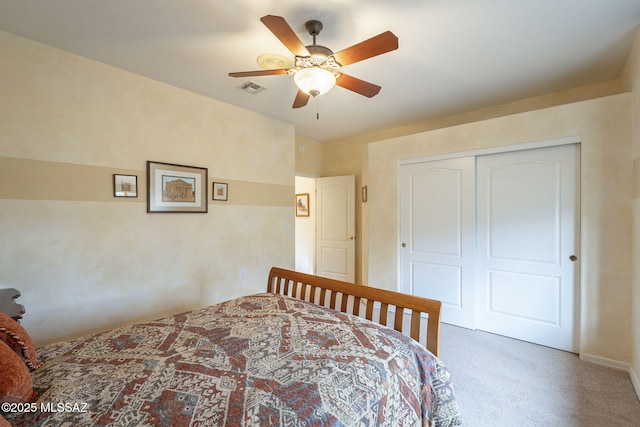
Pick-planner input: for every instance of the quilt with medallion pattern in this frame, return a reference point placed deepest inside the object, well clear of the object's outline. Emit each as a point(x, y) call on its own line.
point(260, 360)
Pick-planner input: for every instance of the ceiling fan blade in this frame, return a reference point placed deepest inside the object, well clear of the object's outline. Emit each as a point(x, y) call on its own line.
point(358, 86)
point(259, 73)
point(301, 99)
point(377, 45)
point(285, 34)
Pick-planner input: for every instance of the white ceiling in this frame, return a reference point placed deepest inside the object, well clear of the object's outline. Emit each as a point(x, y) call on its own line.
point(453, 56)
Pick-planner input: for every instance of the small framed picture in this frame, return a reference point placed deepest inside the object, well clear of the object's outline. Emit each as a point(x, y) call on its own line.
point(125, 185)
point(176, 188)
point(219, 191)
point(302, 204)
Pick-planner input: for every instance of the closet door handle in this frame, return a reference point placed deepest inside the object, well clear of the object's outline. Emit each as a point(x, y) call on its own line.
point(573, 258)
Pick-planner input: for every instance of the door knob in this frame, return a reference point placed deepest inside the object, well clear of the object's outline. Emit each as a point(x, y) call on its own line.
point(573, 258)
point(404, 245)
point(350, 238)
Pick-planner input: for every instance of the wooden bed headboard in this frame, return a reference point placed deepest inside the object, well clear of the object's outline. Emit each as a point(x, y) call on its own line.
point(318, 290)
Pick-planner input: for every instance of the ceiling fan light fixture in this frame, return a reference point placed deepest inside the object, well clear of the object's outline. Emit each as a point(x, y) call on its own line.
point(315, 81)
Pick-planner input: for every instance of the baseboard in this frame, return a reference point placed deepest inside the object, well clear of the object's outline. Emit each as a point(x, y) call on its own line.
point(635, 381)
point(603, 361)
point(622, 366)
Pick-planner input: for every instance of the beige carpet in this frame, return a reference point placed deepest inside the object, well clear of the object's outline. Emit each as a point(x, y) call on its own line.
point(502, 382)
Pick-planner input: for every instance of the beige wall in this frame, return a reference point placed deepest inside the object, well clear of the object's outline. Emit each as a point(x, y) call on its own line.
point(86, 261)
point(632, 79)
point(309, 157)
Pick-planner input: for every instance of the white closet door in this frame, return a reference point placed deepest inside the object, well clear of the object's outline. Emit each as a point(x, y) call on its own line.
point(527, 243)
point(437, 214)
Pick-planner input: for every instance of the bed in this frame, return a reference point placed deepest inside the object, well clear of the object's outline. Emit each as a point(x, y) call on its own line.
point(308, 352)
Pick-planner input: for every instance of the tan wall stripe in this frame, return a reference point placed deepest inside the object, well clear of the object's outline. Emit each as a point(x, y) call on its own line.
point(43, 180)
point(255, 193)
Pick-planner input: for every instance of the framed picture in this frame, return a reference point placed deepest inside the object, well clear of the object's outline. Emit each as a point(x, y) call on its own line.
point(125, 185)
point(302, 204)
point(219, 191)
point(176, 188)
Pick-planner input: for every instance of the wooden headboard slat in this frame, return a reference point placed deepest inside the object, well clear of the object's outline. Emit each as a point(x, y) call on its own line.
point(415, 323)
point(384, 312)
point(398, 319)
point(369, 312)
point(356, 305)
point(414, 305)
point(344, 305)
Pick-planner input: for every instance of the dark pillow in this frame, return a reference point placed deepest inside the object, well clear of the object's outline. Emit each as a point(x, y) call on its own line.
point(17, 338)
point(15, 381)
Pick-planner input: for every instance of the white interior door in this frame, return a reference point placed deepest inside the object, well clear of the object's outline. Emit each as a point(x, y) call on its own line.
point(527, 219)
point(437, 210)
point(335, 227)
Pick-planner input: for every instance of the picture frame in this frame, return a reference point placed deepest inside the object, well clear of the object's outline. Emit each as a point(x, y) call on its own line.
point(219, 191)
point(125, 185)
point(176, 188)
point(302, 204)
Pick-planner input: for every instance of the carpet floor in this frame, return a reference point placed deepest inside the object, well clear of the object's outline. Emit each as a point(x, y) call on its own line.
point(502, 382)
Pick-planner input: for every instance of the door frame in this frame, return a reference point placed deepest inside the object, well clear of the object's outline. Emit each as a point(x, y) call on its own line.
point(495, 150)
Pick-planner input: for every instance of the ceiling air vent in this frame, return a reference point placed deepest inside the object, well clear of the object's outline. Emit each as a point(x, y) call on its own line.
point(252, 87)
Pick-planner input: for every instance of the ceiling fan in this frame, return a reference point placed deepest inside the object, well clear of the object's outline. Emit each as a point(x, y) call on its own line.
point(316, 68)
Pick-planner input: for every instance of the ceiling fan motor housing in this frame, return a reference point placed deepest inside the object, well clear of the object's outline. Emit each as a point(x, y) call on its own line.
point(319, 54)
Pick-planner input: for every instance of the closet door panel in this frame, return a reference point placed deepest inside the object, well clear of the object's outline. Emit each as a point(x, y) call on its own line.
point(527, 219)
point(438, 234)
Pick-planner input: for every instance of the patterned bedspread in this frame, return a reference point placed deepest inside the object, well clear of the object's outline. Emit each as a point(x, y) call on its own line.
point(261, 360)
